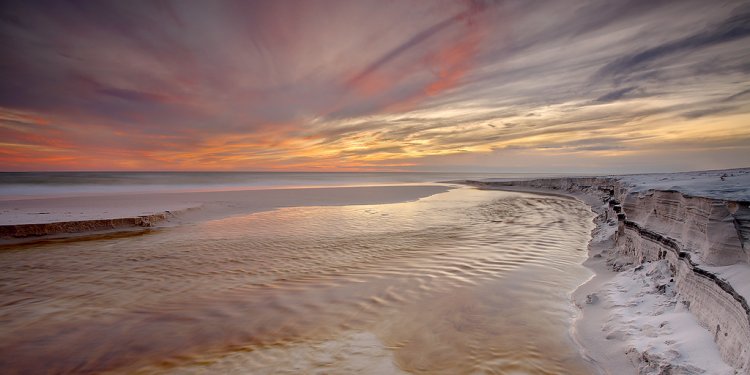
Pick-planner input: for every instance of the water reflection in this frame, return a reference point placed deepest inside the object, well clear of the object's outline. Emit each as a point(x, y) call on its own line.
point(465, 281)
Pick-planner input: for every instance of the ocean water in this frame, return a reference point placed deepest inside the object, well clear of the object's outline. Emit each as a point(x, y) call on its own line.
point(15, 185)
point(461, 282)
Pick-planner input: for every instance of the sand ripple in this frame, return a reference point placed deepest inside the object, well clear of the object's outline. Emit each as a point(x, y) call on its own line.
point(465, 281)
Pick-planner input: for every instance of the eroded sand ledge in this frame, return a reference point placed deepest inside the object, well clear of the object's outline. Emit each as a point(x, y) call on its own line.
point(19, 231)
point(702, 243)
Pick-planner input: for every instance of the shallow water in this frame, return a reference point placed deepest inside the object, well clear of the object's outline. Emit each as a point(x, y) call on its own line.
point(465, 281)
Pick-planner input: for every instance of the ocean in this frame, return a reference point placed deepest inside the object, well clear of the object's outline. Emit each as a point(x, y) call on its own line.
point(16, 185)
point(464, 281)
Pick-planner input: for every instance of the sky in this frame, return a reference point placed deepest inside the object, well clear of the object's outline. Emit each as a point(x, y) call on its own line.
point(502, 86)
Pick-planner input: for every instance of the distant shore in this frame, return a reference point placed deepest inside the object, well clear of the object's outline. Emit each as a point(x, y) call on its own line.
point(29, 219)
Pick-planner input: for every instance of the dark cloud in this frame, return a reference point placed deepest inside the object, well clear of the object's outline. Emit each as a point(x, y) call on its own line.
point(131, 95)
point(411, 43)
point(733, 28)
point(614, 95)
point(739, 95)
point(707, 112)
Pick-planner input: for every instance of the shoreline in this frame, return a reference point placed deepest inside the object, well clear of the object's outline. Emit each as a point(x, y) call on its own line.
point(643, 310)
point(587, 320)
point(27, 220)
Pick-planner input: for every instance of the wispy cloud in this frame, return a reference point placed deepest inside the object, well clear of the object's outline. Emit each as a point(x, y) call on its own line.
point(370, 85)
point(615, 95)
point(735, 27)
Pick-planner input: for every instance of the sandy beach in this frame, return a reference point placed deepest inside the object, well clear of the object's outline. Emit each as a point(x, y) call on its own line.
point(630, 318)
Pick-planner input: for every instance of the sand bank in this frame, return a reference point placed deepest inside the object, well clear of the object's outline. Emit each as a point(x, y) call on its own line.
point(669, 291)
point(25, 218)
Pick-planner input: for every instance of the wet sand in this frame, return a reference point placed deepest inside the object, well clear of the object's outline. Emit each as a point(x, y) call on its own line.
point(463, 281)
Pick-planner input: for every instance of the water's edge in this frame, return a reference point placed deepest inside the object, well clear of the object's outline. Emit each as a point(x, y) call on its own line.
point(591, 282)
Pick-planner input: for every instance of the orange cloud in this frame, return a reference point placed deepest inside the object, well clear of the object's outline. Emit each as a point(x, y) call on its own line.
point(453, 62)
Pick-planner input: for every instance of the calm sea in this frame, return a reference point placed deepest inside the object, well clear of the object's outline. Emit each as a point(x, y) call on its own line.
point(42, 184)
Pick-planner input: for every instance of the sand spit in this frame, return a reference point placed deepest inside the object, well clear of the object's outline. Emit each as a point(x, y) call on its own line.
point(672, 279)
point(32, 219)
point(83, 226)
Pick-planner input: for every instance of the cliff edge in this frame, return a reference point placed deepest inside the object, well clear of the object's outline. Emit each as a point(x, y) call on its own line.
point(679, 244)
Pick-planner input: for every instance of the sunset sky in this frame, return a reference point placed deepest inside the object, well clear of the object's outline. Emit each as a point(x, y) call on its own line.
point(536, 86)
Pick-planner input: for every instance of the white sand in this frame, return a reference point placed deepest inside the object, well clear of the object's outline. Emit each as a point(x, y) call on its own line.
point(587, 329)
point(625, 318)
point(730, 184)
point(655, 326)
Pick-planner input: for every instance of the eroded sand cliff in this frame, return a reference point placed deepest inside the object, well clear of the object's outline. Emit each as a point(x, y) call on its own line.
point(702, 240)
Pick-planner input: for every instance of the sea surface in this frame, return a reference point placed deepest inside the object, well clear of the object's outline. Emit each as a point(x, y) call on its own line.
point(16, 185)
point(462, 282)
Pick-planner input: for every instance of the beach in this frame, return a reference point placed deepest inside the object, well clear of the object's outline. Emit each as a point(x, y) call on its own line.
point(387, 279)
point(422, 278)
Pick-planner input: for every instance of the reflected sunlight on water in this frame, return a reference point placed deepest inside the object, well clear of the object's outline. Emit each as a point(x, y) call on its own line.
point(465, 281)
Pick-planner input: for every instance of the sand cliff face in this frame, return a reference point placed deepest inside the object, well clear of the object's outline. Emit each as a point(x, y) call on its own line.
point(699, 237)
point(36, 230)
point(705, 227)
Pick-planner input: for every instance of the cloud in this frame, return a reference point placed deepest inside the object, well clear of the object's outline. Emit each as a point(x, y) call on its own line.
point(411, 43)
point(132, 95)
point(340, 84)
point(707, 112)
point(733, 28)
point(739, 95)
point(614, 95)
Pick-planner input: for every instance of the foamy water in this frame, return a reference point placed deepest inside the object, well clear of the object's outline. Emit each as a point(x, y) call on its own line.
point(465, 281)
